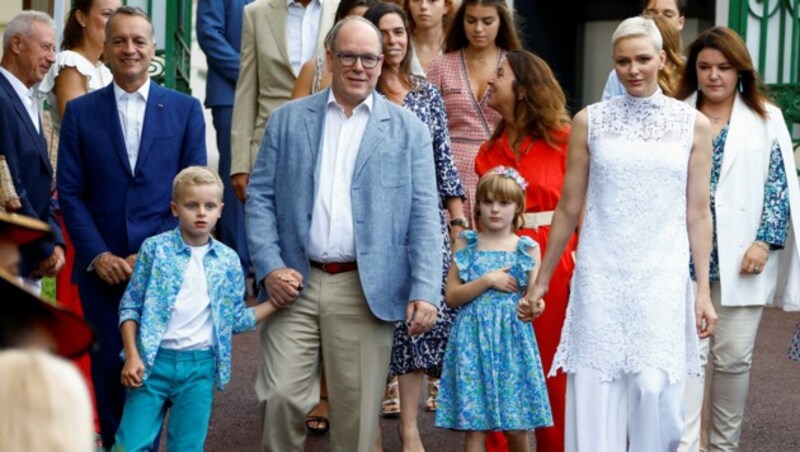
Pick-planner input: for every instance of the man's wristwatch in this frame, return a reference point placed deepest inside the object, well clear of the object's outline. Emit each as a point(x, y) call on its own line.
point(460, 222)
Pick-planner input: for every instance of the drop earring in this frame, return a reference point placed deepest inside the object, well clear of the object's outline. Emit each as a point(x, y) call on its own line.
point(741, 87)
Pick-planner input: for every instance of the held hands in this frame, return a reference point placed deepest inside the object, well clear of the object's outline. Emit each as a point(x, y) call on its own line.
point(283, 286)
point(705, 315)
point(755, 258)
point(133, 371)
point(112, 269)
point(528, 310)
point(500, 280)
point(420, 317)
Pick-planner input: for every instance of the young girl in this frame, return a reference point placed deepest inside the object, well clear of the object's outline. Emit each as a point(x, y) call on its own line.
point(492, 378)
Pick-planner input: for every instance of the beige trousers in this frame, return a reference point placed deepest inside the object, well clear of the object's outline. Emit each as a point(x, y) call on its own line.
point(727, 380)
point(331, 314)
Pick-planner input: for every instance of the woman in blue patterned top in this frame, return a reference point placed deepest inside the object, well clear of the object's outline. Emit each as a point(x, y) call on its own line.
point(414, 356)
point(754, 204)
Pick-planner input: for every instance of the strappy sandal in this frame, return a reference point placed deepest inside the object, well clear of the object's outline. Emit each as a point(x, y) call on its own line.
point(433, 393)
point(390, 407)
point(318, 425)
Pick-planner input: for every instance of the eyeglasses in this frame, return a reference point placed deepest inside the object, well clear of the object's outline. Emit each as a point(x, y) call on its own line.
point(348, 59)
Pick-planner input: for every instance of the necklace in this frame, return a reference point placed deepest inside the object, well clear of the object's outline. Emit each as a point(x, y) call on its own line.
point(717, 119)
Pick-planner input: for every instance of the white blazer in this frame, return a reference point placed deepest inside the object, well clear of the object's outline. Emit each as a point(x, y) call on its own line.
point(739, 202)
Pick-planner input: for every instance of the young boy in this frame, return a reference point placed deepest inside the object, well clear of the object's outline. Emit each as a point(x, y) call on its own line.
point(184, 301)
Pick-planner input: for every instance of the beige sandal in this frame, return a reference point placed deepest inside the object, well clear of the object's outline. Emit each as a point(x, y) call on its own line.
point(390, 407)
point(433, 393)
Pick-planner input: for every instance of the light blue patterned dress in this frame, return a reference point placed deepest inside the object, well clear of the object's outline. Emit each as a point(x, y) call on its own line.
point(492, 377)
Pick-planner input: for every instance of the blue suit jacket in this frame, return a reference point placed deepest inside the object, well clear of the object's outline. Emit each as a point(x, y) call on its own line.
point(393, 194)
point(106, 206)
point(219, 33)
point(25, 151)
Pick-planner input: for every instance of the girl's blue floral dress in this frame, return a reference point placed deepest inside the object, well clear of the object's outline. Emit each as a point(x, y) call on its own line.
point(492, 377)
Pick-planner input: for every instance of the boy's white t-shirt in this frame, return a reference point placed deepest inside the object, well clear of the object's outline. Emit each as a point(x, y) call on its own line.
point(190, 325)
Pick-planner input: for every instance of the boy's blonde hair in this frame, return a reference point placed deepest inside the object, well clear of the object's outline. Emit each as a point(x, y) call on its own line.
point(195, 175)
point(45, 402)
point(500, 188)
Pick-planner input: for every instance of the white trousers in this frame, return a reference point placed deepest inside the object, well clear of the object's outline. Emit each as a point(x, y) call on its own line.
point(727, 380)
point(637, 412)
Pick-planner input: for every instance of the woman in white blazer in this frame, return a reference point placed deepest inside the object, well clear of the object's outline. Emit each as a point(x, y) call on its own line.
point(755, 204)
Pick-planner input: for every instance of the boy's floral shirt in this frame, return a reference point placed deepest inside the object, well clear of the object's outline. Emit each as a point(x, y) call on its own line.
point(154, 286)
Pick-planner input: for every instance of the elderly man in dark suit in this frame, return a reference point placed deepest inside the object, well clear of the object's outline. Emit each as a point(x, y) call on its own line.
point(120, 148)
point(28, 53)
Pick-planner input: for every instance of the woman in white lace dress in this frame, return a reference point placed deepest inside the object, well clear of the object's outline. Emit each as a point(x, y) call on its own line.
point(641, 163)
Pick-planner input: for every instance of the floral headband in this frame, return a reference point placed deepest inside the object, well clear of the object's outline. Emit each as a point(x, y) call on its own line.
point(512, 173)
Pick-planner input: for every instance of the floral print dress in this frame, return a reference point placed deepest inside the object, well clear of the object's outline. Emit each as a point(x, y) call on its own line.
point(425, 352)
point(492, 377)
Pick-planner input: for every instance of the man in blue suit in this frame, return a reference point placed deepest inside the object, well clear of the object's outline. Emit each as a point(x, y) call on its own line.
point(343, 231)
point(28, 52)
point(219, 33)
point(120, 148)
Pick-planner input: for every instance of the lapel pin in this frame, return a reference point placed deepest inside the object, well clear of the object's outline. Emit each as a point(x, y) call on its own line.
point(160, 105)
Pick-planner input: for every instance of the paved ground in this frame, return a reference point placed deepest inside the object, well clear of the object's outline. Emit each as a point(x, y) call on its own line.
point(771, 420)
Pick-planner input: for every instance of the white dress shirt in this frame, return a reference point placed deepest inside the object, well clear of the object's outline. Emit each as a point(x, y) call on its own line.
point(27, 96)
point(131, 107)
point(190, 325)
point(331, 237)
point(302, 30)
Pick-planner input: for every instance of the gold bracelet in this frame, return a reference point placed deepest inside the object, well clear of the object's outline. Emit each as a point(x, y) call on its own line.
point(761, 245)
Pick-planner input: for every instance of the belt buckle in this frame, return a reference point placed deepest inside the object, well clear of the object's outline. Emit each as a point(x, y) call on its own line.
point(325, 267)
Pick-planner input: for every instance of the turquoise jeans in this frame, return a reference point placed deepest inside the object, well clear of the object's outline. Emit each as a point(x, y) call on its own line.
point(181, 381)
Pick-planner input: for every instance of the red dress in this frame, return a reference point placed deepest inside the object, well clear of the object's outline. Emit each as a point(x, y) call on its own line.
point(543, 167)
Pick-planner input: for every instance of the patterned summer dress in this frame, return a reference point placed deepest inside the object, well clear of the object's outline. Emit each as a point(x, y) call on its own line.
point(425, 352)
point(470, 119)
point(492, 377)
point(631, 305)
point(794, 350)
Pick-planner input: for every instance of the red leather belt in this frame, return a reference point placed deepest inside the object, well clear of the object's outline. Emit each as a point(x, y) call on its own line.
point(335, 267)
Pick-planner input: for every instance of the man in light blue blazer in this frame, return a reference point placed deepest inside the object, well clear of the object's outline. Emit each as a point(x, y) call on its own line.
point(120, 147)
point(343, 232)
point(219, 33)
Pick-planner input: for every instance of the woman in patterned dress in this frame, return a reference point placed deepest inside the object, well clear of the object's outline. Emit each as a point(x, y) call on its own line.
point(412, 357)
point(638, 170)
point(532, 139)
point(481, 32)
point(755, 204)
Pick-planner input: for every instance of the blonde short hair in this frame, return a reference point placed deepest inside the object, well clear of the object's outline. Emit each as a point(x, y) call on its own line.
point(45, 402)
point(638, 26)
point(195, 175)
point(500, 187)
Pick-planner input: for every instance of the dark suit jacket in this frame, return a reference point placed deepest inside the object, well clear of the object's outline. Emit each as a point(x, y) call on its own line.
point(26, 154)
point(219, 33)
point(106, 206)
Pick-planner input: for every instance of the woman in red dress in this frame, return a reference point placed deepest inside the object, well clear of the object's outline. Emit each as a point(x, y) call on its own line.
point(532, 138)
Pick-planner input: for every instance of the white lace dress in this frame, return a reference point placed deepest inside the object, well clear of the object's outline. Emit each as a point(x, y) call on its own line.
point(631, 305)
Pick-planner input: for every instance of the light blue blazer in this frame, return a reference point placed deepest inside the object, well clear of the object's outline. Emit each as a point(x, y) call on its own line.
point(393, 195)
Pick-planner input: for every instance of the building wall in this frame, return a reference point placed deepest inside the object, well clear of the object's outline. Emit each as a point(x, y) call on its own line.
point(10, 9)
